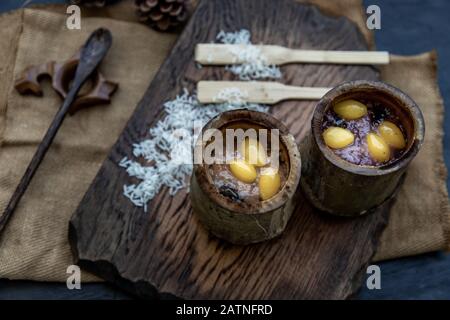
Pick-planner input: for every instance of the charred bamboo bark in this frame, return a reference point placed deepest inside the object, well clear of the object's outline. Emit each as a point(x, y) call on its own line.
point(237, 227)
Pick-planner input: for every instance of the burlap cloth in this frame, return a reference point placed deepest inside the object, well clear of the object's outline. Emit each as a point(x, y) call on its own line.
point(34, 245)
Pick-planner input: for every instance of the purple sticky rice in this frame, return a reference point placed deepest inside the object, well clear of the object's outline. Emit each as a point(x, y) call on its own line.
point(358, 153)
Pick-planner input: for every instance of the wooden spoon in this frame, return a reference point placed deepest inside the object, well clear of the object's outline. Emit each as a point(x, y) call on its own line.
point(92, 53)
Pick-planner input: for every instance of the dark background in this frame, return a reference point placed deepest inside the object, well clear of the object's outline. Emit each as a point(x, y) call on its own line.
point(407, 27)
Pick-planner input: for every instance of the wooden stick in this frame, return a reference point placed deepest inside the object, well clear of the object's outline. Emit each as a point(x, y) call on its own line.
point(254, 92)
point(223, 54)
point(92, 53)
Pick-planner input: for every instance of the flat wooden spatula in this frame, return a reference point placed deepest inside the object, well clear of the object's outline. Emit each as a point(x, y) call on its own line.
point(222, 54)
point(254, 92)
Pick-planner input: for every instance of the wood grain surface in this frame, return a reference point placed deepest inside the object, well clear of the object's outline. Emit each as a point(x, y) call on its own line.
point(166, 252)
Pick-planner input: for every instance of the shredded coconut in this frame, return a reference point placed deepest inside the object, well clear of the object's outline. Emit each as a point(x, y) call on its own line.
point(232, 94)
point(254, 64)
point(168, 152)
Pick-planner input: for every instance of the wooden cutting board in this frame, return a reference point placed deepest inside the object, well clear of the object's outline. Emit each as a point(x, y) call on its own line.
point(165, 251)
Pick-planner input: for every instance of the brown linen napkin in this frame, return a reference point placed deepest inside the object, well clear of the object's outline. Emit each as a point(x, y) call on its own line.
point(34, 245)
point(419, 220)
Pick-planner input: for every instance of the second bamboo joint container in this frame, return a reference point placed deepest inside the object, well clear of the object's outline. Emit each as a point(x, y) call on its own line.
point(339, 187)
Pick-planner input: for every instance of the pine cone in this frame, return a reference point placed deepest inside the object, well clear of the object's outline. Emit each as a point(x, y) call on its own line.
point(163, 15)
point(93, 3)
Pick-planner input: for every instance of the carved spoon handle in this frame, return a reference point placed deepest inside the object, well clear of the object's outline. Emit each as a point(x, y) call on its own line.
point(94, 50)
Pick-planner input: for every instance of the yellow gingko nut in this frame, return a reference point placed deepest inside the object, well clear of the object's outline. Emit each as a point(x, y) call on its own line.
point(378, 148)
point(350, 109)
point(338, 138)
point(243, 171)
point(392, 135)
point(254, 153)
point(269, 183)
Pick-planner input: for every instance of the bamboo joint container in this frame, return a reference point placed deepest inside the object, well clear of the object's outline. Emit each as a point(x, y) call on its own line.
point(238, 222)
point(339, 187)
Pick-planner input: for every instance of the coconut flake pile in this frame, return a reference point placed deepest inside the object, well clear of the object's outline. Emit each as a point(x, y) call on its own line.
point(232, 94)
point(255, 64)
point(168, 153)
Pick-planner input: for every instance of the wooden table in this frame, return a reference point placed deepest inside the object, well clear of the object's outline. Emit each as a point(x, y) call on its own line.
point(422, 277)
